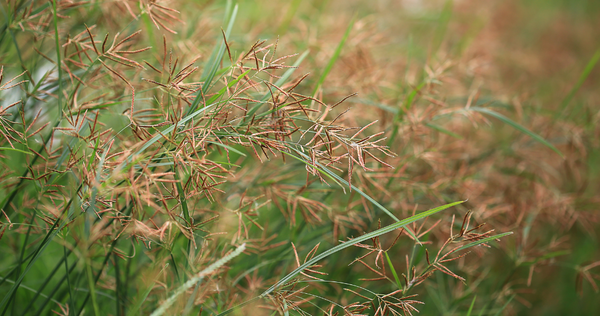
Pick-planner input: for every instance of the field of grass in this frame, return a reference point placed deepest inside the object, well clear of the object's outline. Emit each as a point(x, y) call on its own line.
point(318, 157)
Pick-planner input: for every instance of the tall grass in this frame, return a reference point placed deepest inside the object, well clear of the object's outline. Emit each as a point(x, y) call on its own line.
point(162, 158)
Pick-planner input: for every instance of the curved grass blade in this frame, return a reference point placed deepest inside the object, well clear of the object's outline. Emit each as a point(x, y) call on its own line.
point(354, 241)
point(37, 293)
point(517, 126)
point(331, 175)
point(339, 180)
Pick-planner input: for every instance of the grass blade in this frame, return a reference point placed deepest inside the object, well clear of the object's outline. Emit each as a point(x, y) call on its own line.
point(182, 199)
point(17, 150)
point(396, 278)
point(586, 72)
point(52, 232)
point(213, 62)
point(58, 61)
point(330, 174)
point(237, 306)
point(198, 278)
point(354, 241)
point(443, 130)
point(182, 123)
point(471, 307)
point(227, 147)
point(485, 240)
point(92, 285)
point(340, 181)
point(288, 73)
point(136, 308)
point(499, 312)
point(517, 126)
point(333, 58)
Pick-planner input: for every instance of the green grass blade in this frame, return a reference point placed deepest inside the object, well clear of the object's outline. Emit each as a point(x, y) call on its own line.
point(118, 285)
point(396, 278)
point(341, 182)
point(46, 281)
point(52, 232)
point(181, 123)
point(354, 241)
point(17, 150)
point(138, 305)
point(227, 147)
point(37, 293)
point(237, 306)
point(167, 130)
point(517, 126)
point(197, 278)
point(182, 199)
point(333, 58)
point(92, 286)
point(58, 61)
point(408, 102)
point(93, 281)
point(546, 257)
point(485, 240)
point(221, 92)
point(16, 43)
point(286, 311)
point(55, 290)
point(289, 15)
point(443, 130)
point(382, 106)
point(499, 312)
point(586, 72)
point(190, 303)
point(332, 175)
point(471, 307)
point(442, 27)
point(483, 310)
point(213, 63)
point(288, 73)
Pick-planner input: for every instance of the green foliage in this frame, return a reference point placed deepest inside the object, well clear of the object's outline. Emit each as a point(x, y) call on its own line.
point(181, 158)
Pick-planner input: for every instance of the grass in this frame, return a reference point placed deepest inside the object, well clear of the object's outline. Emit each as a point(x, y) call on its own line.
point(302, 158)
